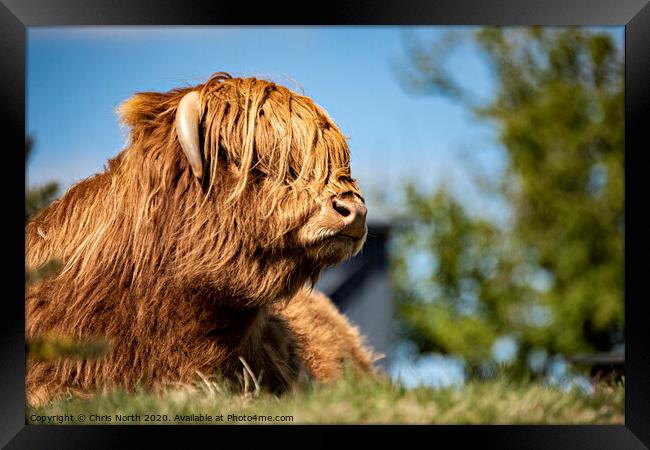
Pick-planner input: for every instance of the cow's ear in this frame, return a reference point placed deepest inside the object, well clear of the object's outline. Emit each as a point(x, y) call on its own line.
point(146, 109)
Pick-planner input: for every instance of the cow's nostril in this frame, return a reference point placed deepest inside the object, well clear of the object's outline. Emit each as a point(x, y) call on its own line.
point(341, 208)
point(352, 216)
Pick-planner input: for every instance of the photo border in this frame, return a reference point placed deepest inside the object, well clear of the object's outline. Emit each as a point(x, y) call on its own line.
point(17, 15)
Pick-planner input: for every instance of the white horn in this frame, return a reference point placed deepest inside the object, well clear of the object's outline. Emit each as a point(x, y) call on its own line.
point(187, 130)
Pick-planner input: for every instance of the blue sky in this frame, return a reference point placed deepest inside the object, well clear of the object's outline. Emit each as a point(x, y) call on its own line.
point(77, 76)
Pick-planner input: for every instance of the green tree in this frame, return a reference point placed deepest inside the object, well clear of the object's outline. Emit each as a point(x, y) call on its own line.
point(553, 277)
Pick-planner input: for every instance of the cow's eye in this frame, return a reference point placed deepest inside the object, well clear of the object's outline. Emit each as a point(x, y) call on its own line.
point(258, 173)
point(293, 175)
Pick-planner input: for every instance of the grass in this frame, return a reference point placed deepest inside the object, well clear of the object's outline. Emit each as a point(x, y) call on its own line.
point(352, 400)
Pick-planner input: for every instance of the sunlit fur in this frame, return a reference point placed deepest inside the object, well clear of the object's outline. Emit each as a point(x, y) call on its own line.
point(185, 275)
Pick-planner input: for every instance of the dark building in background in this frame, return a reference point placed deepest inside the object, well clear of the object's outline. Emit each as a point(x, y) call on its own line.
point(361, 289)
point(608, 367)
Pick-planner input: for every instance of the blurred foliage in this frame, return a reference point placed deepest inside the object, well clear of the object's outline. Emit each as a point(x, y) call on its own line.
point(48, 269)
point(38, 197)
point(52, 346)
point(552, 279)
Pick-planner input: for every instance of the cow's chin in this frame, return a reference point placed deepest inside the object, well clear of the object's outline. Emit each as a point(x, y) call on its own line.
point(335, 249)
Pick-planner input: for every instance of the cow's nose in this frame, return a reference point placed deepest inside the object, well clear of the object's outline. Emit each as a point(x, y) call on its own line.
point(353, 213)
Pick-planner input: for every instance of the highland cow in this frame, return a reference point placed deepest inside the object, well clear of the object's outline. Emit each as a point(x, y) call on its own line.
point(200, 244)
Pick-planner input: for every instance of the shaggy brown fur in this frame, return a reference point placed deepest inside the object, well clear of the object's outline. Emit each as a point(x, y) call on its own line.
point(184, 276)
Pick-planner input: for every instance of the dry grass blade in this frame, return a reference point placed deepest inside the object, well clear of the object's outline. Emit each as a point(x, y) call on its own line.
point(209, 386)
point(245, 381)
point(248, 371)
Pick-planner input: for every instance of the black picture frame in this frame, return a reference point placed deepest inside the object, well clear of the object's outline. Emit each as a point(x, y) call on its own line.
point(16, 15)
